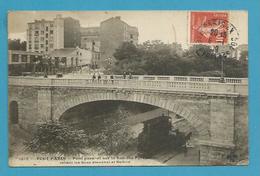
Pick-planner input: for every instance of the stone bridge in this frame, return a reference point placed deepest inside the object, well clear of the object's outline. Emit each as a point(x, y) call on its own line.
point(218, 111)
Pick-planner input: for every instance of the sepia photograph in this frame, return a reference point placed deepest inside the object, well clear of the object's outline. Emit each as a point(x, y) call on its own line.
point(128, 88)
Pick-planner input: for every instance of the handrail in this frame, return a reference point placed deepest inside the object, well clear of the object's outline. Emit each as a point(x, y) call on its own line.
point(217, 87)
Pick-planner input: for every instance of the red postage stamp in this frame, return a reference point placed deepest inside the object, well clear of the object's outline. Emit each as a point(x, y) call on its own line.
point(209, 27)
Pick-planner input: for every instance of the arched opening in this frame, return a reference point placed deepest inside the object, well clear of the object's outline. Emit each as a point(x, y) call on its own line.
point(92, 116)
point(96, 115)
point(13, 112)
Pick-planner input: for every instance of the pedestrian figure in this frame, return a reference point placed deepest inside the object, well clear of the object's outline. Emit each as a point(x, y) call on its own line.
point(93, 77)
point(99, 77)
point(130, 76)
point(112, 78)
point(124, 75)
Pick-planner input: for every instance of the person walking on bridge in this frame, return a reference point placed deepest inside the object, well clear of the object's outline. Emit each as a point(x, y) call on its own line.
point(99, 77)
point(93, 77)
point(130, 76)
point(112, 79)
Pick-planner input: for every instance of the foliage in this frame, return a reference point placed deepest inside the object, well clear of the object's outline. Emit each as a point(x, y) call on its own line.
point(157, 58)
point(57, 138)
point(16, 44)
point(115, 137)
point(244, 55)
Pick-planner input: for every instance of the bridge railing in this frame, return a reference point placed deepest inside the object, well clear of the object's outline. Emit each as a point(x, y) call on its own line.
point(182, 78)
point(240, 88)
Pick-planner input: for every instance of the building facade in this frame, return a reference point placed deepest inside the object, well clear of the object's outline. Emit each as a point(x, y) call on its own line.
point(73, 57)
point(43, 36)
point(90, 38)
point(108, 37)
point(20, 62)
point(113, 32)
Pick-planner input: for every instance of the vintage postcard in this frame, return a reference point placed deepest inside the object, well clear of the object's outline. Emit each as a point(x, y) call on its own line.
point(128, 88)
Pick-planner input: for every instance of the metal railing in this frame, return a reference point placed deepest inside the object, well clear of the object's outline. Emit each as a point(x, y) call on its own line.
point(174, 85)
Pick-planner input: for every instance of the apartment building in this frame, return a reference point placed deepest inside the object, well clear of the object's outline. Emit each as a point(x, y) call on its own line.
point(107, 37)
point(44, 36)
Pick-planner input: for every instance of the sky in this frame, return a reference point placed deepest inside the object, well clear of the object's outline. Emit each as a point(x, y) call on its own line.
point(152, 25)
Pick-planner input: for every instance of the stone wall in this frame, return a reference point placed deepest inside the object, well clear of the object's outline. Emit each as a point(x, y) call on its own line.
point(214, 155)
point(241, 128)
point(221, 120)
point(26, 98)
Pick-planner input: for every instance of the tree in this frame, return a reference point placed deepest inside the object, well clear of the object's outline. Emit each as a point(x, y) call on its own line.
point(157, 58)
point(16, 44)
point(244, 55)
point(53, 137)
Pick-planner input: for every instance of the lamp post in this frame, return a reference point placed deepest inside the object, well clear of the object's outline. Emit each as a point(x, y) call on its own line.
point(222, 55)
point(222, 80)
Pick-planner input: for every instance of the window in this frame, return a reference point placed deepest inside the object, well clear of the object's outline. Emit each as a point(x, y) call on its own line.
point(24, 58)
point(47, 35)
point(42, 45)
point(51, 38)
point(15, 58)
point(42, 32)
point(46, 49)
point(36, 33)
point(47, 28)
point(51, 31)
point(131, 36)
point(30, 46)
point(46, 42)
point(42, 39)
point(51, 25)
point(36, 46)
point(51, 45)
point(36, 39)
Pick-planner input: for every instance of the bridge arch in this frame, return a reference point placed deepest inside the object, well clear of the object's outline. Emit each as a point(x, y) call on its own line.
point(157, 101)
